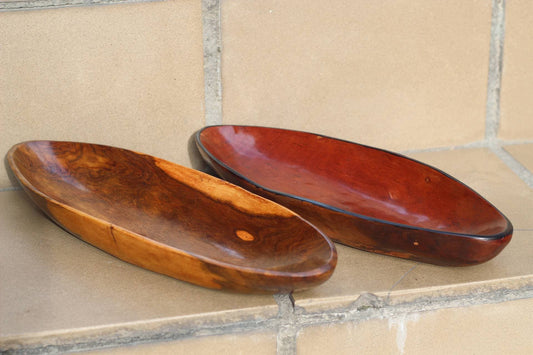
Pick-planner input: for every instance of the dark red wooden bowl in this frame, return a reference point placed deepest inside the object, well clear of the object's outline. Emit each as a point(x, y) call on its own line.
point(361, 196)
point(171, 219)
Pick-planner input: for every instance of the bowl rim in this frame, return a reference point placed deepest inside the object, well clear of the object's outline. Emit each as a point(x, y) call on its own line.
point(507, 231)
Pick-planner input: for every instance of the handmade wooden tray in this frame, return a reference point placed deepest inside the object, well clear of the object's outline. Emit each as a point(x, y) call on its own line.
point(361, 196)
point(171, 219)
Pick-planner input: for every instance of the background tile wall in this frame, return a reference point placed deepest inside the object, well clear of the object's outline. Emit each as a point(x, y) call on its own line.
point(128, 75)
point(401, 75)
point(396, 74)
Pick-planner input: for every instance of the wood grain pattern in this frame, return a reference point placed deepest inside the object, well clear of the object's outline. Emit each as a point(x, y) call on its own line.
point(171, 219)
point(360, 196)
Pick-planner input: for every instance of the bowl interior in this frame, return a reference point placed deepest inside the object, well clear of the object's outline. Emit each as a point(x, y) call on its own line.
point(351, 177)
point(170, 204)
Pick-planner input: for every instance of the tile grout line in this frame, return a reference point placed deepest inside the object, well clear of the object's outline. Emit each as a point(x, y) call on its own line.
point(11, 188)
point(497, 35)
point(515, 142)
point(287, 331)
point(54, 4)
point(523, 173)
point(212, 46)
point(132, 335)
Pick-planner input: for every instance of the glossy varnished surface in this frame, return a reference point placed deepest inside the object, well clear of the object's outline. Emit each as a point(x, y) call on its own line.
point(361, 196)
point(171, 219)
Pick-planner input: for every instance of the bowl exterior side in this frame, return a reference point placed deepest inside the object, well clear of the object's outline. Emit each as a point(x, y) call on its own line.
point(428, 246)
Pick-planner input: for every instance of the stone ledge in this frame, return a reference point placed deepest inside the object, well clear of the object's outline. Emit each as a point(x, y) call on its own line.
point(286, 321)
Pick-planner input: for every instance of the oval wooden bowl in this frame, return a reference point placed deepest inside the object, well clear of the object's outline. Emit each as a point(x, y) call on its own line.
point(171, 219)
point(360, 196)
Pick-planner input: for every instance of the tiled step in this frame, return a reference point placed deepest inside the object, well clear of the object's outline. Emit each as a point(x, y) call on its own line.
point(59, 293)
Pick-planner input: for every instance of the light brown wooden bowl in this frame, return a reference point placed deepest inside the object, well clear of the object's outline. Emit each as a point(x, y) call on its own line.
point(171, 219)
point(361, 196)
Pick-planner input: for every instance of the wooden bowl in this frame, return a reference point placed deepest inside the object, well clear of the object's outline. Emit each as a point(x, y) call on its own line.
point(361, 196)
point(171, 219)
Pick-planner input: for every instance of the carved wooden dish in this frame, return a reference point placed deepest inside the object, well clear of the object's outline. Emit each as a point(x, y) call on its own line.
point(171, 219)
point(361, 196)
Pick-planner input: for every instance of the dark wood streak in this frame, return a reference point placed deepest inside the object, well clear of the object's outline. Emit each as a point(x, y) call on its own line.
point(361, 196)
point(171, 219)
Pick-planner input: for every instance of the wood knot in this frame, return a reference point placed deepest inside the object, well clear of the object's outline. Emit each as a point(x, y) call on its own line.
point(244, 235)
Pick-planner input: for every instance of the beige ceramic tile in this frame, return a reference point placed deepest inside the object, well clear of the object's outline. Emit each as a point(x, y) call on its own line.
point(513, 261)
point(517, 75)
point(503, 328)
point(523, 153)
point(488, 175)
point(395, 74)
point(234, 344)
point(370, 337)
point(127, 75)
point(357, 272)
point(51, 281)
